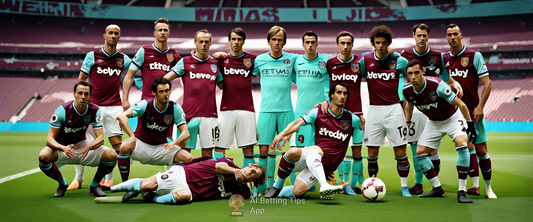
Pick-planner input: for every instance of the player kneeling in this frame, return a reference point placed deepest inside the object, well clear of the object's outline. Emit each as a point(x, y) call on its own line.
point(438, 102)
point(203, 179)
point(66, 142)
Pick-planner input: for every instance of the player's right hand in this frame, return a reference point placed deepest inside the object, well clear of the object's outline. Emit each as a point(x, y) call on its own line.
point(126, 105)
point(472, 131)
point(69, 151)
point(325, 106)
point(275, 143)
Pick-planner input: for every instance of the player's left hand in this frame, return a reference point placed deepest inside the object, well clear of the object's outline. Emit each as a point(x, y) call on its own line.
point(478, 114)
point(85, 153)
point(219, 55)
point(240, 175)
point(472, 131)
point(363, 121)
point(168, 146)
point(456, 87)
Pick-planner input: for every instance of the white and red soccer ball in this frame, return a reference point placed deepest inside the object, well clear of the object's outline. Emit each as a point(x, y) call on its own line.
point(373, 189)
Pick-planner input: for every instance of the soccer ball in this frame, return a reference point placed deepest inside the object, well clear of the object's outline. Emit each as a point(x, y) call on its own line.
point(373, 189)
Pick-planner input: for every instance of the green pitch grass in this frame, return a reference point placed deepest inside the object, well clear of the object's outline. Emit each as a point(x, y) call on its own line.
point(29, 198)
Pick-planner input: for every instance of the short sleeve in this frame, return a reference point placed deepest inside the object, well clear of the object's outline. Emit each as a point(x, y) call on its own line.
point(97, 120)
point(88, 62)
point(138, 60)
point(139, 108)
point(179, 115)
point(310, 117)
point(179, 68)
point(444, 75)
point(58, 118)
point(127, 63)
point(444, 91)
point(479, 63)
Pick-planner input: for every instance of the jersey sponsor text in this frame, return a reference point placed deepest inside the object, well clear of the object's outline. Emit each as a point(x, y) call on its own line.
point(337, 135)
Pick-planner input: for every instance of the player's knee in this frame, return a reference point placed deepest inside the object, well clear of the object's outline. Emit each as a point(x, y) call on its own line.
point(110, 155)
point(309, 148)
point(183, 156)
point(45, 155)
point(299, 191)
point(181, 196)
point(127, 146)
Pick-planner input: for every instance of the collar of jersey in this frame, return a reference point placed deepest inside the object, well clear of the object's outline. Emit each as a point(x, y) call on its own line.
point(153, 103)
point(349, 60)
point(461, 52)
point(107, 54)
point(336, 117)
point(239, 56)
point(153, 46)
point(377, 59)
point(81, 114)
point(425, 84)
point(201, 60)
point(282, 55)
point(305, 57)
point(426, 52)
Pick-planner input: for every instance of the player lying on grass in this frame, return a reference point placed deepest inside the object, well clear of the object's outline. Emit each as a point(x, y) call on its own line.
point(333, 131)
point(435, 99)
point(66, 142)
point(203, 179)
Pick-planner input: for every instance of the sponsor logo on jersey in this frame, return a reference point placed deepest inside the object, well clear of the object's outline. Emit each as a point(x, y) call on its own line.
point(120, 62)
point(170, 57)
point(287, 62)
point(156, 127)
point(214, 68)
point(192, 66)
point(344, 77)
point(74, 130)
point(433, 96)
point(381, 75)
point(159, 66)
point(202, 76)
point(321, 64)
point(432, 60)
point(87, 119)
point(232, 71)
point(108, 71)
point(464, 61)
point(337, 135)
point(99, 61)
point(247, 62)
point(69, 122)
point(345, 124)
point(459, 73)
point(168, 119)
point(391, 64)
point(355, 67)
point(427, 106)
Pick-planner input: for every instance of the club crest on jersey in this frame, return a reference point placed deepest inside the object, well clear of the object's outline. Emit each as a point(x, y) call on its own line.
point(355, 67)
point(247, 62)
point(321, 64)
point(87, 119)
point(432, 60)
point(345, 124)
point(287, 62)
point(170, 57)
point(391, 64)
point(214, 68)
point(433, 96)
point(464, 61)
point(120, 62)
point(168, 119)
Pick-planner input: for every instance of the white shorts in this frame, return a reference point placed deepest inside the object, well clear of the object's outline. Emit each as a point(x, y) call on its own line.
point(153, 154)
point(418, 123)
point(239, 124)
point(207, 130)
point(92, 159)
point(111, 125)
point(384, 121)
point(305, 174)
point(173, 178)
point(454, 126)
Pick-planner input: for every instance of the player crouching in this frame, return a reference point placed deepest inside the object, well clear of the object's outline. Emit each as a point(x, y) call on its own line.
point(66, 142)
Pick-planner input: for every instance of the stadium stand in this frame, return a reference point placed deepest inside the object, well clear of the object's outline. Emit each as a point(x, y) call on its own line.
point(15, 93)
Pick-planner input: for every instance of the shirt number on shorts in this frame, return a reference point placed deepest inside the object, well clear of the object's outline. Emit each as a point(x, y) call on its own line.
point(402, 131)
point(412, 130)
point(462, 124)
point(215, 133)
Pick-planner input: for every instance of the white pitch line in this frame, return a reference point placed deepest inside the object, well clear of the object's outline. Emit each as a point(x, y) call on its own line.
point(18, 175)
